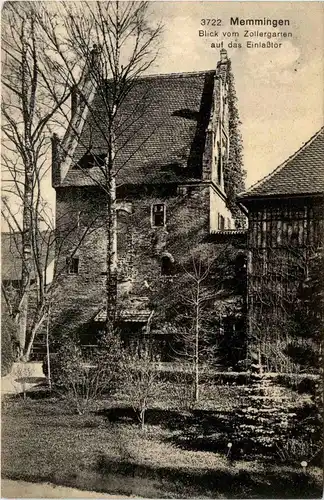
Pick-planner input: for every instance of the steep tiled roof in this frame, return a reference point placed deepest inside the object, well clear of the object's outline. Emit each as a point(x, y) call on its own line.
point(161, 131)
point(302, 173)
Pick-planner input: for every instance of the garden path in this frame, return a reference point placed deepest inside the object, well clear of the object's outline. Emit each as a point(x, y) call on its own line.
point(24, 489)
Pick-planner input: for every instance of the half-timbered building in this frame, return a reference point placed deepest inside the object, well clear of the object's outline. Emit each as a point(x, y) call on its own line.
point(286, 217)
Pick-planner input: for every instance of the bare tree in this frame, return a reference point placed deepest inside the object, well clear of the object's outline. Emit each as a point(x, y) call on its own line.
point(116, 44)
point(40, 71)
point(197, 341)
point(27, 114)
point(190, 309)
point(46, 269)
point(139, 378)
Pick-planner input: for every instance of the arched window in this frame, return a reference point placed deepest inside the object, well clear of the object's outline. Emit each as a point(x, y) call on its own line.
point(240, 263)
point(167, 264)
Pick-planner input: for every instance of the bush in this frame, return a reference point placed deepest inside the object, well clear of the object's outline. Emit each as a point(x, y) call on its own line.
point(54, 365)
point(294, 451)
point(79, 381)
point(303, 383)
point(9, 343)
point(140, 378)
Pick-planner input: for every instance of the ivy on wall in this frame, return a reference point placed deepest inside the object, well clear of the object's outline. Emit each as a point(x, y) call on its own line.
point(234, 174)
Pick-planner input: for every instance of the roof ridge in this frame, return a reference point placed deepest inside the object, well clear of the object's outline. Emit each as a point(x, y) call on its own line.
point(182, 74)
point(282, 165)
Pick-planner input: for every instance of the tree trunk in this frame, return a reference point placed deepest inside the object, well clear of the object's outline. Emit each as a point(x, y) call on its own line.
point(196, 380)
point(197, 350)
point(49, 378)
point(22, 322)
point(111, 228)
point(27, 200)
point(142, 415)
point(33, 332)
point(26, 256)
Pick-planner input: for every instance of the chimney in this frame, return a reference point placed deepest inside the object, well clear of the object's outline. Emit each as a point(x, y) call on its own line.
point(223, 56)
point(91, 67)
point(74, 100)
point(94, 61)
point(56, 160)
point(222, 65)
point(95, 53)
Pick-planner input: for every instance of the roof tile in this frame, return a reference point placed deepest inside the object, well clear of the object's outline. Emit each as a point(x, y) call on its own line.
point(302, 173)
point(161, 131)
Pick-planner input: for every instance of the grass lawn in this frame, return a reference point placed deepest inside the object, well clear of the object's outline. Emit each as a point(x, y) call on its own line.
point(42, 440)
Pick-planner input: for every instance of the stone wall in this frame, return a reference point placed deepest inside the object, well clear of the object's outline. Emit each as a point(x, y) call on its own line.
point(141, 246)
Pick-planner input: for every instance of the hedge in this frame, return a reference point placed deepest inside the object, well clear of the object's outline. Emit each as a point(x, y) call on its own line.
point(8, 343)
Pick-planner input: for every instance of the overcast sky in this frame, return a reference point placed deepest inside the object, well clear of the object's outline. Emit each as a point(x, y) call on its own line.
point(280, 91)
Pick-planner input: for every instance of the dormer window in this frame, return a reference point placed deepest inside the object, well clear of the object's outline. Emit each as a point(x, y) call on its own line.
point(158, 215)
point(182, 190)
point(90, 160)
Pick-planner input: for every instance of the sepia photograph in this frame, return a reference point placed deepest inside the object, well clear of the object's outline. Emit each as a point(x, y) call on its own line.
point(162, 226)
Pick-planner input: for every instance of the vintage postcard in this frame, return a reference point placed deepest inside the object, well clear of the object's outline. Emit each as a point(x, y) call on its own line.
point(162, 249)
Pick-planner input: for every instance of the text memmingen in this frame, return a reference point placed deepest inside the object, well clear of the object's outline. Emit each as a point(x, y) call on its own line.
point(236, 21)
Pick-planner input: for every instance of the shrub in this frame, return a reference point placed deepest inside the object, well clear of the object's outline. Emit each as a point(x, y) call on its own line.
point(9, 343)
point(302, 383)
point(79, 381)
point(139, 378)
point(294, 451)
point(55, 367)
point(182, 388)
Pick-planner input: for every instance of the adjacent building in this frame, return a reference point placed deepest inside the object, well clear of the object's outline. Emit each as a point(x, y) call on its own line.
point(286, 220)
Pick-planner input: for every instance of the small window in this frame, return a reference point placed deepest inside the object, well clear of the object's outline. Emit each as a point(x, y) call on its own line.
point(221, 222)
point(182, 190)
point(229, 225)
point(158, 215)
point(72, 265)
point(167, 265)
